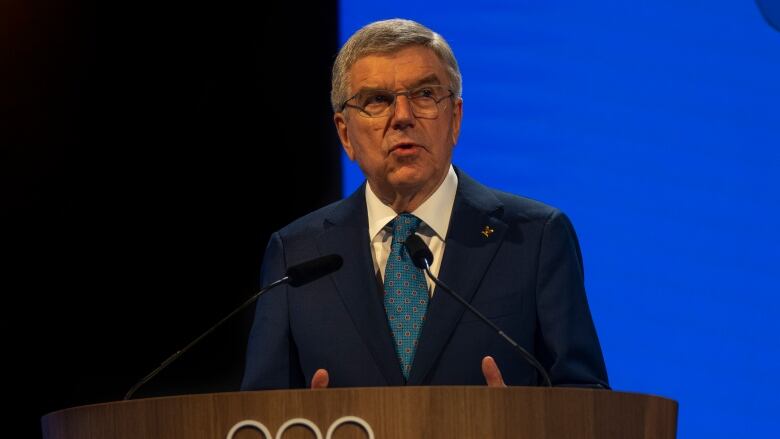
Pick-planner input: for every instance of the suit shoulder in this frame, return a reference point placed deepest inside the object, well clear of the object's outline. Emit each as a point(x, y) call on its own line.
point(512, 206)
point(524, 207)
point(311, 223)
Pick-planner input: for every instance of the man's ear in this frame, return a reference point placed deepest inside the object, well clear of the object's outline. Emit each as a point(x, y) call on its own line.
point(457, 116)
point(341, 128)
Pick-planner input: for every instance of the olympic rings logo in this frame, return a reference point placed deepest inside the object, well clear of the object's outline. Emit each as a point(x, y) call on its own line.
point(252, 424)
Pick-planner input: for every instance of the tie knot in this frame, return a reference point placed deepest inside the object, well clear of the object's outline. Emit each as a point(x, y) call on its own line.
point(404, 225)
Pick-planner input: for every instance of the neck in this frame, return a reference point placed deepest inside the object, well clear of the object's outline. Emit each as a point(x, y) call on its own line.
point(405, 199)
point(401, 203)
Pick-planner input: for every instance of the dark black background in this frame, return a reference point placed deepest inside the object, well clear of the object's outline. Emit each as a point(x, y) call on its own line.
point(147, 151)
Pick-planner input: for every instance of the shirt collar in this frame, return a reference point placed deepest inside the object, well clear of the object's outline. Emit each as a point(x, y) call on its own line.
point(435, 212)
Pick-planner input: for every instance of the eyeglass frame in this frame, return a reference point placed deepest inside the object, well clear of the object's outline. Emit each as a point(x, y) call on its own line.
point(395, 95)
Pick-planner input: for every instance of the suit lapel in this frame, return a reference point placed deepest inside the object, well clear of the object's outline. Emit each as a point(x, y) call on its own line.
point(346, 233)
point(467, 256)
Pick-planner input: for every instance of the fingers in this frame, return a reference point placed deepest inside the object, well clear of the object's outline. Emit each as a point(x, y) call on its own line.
point(492, 374)
point(320, 379)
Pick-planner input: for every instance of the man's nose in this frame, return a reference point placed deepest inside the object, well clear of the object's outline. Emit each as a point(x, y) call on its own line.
point(403, 116)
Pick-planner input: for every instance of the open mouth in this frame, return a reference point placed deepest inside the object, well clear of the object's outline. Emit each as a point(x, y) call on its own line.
point(404, 148)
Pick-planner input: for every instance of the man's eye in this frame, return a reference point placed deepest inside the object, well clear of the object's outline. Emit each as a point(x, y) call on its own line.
point(424, 93)
point(377, 99)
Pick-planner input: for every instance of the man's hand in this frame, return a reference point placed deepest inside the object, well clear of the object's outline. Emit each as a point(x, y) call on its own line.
point(489, 370)
point(320, 379)
point(492, 374)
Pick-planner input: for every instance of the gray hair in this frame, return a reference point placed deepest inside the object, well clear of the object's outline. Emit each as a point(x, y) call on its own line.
point(384, 37)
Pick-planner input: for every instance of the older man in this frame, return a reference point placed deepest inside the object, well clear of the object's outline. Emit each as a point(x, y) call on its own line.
point(378, 321)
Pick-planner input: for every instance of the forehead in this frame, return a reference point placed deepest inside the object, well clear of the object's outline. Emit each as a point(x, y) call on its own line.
point(402, 69)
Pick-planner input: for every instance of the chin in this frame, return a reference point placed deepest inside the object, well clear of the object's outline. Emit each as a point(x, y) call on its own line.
point(409, 176)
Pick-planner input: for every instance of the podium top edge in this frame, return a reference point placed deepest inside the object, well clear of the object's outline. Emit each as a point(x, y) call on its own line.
point(394, 389)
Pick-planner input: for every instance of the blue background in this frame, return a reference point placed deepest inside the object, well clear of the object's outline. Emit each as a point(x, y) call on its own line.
point(655, 126)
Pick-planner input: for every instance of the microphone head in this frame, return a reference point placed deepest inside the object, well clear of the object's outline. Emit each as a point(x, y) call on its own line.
point(314, 269)
point(419, 252)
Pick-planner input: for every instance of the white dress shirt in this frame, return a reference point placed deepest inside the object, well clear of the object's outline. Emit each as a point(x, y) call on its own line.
point(434, 213)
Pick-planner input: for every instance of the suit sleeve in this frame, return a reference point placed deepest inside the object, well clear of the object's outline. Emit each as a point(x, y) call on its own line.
point(568, 346)
point(272, 358)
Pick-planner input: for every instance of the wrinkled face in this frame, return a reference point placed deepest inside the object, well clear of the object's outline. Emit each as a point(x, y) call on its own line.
point(400, 153)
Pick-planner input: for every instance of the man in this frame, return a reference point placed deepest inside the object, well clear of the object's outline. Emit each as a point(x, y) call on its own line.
point(378, 321)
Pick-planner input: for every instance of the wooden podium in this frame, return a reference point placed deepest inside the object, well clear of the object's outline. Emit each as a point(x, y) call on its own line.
point(388, 412)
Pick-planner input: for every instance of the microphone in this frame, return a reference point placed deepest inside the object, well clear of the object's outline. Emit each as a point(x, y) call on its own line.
point(296, 276)
point(423, 258)
point(308, 271)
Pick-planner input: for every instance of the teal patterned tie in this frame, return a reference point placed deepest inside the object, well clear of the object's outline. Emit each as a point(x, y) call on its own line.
point(406, 293)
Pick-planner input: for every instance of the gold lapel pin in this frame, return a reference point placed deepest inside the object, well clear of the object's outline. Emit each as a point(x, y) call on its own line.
point(487, 231)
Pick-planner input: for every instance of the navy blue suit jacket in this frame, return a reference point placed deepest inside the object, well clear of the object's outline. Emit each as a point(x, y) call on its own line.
point(526, 276)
